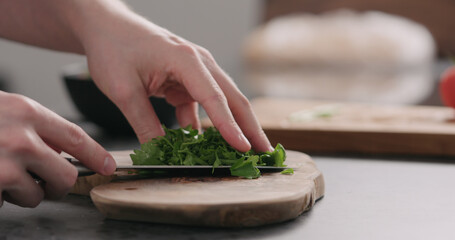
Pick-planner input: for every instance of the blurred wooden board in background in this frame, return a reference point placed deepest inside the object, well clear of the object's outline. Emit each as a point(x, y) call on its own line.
point(336, 127)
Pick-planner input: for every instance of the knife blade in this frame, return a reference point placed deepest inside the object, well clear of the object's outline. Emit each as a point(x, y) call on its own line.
point(84, 171)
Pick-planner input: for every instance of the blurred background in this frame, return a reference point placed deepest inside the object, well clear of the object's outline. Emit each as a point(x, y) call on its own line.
point(380, 51)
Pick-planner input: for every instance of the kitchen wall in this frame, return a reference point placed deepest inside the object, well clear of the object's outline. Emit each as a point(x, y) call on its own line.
point(218, 25)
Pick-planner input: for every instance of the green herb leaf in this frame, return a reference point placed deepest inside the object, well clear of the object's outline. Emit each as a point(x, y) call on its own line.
point(279, 155)
point(247, 168)
point(184, 146)
point(288, 171)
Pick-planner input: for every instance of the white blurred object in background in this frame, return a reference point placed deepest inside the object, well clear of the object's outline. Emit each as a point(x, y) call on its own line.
point(342, 55)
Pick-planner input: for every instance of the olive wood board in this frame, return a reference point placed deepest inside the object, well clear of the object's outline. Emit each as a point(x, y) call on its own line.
point(215, 201)
point(356, 128)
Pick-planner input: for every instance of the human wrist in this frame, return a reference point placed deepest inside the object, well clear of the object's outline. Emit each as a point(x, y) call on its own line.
point(91, 19)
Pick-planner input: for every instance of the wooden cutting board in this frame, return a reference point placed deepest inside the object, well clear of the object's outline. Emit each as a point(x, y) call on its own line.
point(336, 127)
point(218, 201)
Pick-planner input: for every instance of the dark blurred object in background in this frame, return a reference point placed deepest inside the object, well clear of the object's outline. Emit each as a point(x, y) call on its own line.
point(3, 83)
point(437, 15)
point(96, 107)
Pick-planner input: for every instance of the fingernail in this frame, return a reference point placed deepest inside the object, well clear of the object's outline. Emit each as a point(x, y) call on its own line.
point(244, 140)
point(109, 165)
point(271, 149)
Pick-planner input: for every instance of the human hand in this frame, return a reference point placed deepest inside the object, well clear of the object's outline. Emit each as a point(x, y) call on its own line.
point(131, 59)
point(31, 138)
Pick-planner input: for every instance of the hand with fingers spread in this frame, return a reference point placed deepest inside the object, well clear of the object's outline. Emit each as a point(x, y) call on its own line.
point(31, 138)
point(151, 61)
point(130, 59)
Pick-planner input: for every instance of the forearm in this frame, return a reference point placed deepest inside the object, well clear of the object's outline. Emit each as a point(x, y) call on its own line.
point(35, 23)
point(55, 24)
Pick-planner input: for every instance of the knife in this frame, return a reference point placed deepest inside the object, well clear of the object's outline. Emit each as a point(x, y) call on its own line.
point(84, 171)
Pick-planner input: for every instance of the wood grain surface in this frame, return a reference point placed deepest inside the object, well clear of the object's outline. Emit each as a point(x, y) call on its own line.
point(218, 201)
point(357, 128)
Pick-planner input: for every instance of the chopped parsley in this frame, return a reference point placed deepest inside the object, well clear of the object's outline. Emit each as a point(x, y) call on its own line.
point(184, 146)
